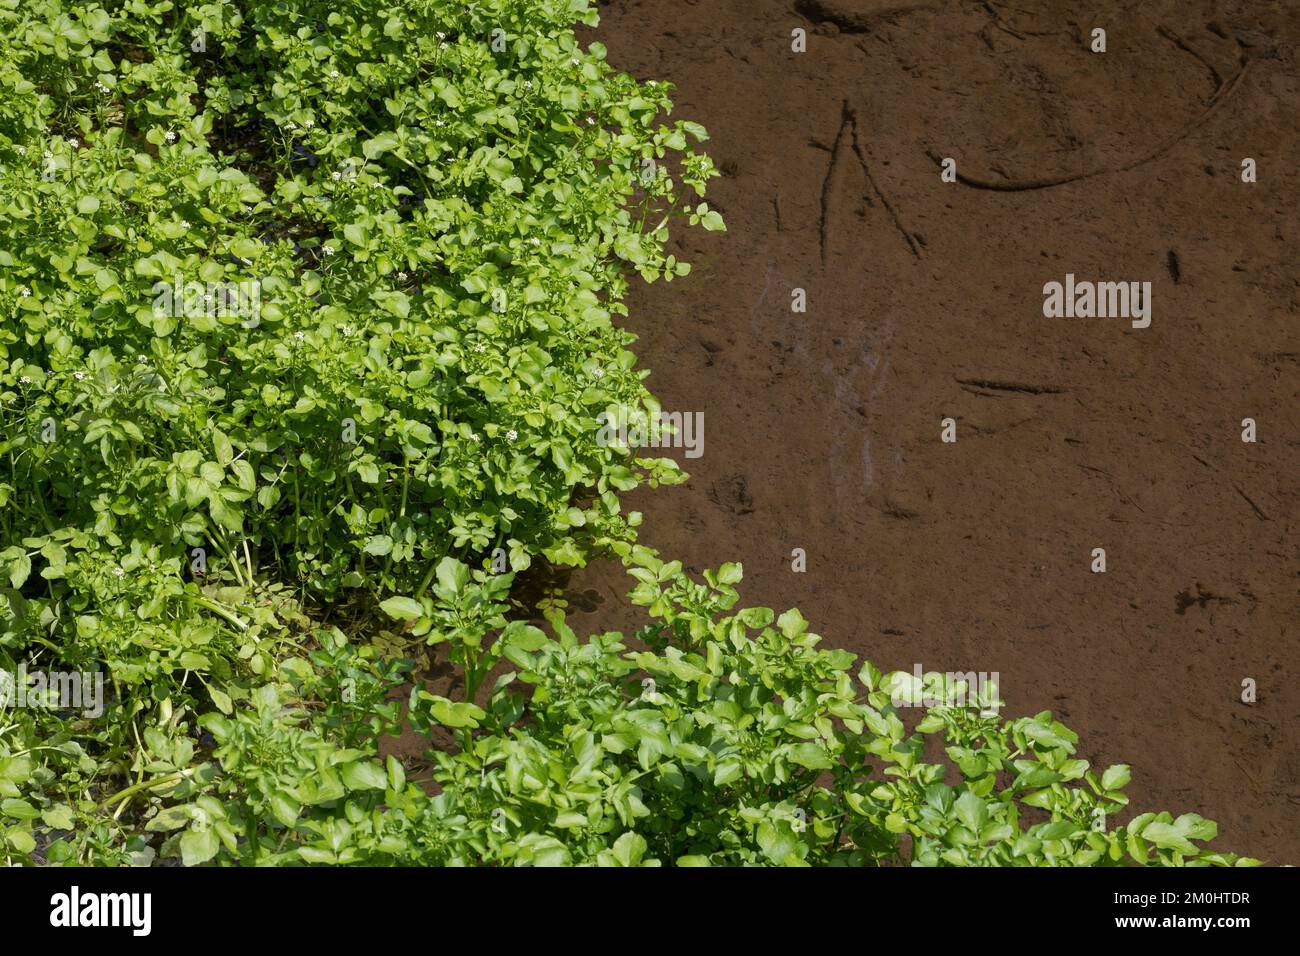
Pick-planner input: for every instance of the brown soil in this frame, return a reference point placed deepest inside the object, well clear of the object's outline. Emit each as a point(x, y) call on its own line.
point(925, 301)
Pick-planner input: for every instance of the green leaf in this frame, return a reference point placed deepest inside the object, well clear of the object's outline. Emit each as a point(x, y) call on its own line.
point(1196, 827)
point(59, 817)
point(402, 608)
point(199, 846)
point(1116, 777)
point(629, 848)
point(20, 839)
point(452, 576)
point(221, 699)
point(728, 770)
point(15, 769)
point(930, 723)
point(1168, 837)
point(374, 148)
point(730, 574)
point(19, 809)
point(1043, 799)
point(169, 818)
point(539, 850)
point(453, 714)
point(971, 811)
point(812, 756)
point(396, 773)
point(777, 841)
point(224, 449)
point(356, 234)
point(284, 808)
point(524, 636)
point(20, 568)
point(364, 775)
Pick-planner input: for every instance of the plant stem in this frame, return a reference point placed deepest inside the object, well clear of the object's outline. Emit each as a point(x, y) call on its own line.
point(135, 788)
point(220, 611)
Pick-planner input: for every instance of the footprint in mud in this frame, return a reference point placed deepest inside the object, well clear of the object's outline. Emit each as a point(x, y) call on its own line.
point(732, 494)
point(849, 381)
point(692, 521)
point(856, 16)
point(585, 601)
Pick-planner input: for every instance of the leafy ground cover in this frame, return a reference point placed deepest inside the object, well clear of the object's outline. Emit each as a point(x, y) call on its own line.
point(308, 319)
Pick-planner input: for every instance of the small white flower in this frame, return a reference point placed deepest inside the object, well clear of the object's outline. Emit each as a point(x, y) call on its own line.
point(169, 136)
point(512, 435)
point(535, 241)
point(72, 141)
point(291, 125)
point(334, 74)
point(480, 347)
point(142, 359)
point(439, 123)
point(328, 250)
point(573, 62)
point(25, 380)
point(22, 150)
point(26, 291)
point(590, 121)
point(299, 336)
point(599, 373)
point(309, 123)
point(441, 35)
point(101, 87)
point(78, 375)
point(401, 277)
point(336, 175)
point(345, 329)
point(528, 84)
point(185, 224)
point(118, 572)
point(473, 436)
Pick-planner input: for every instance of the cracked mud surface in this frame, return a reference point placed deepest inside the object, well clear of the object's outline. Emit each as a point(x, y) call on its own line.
point(925, 301)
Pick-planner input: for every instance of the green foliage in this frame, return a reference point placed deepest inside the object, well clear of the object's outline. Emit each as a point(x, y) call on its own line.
point(732, 740)
point(438, 229)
